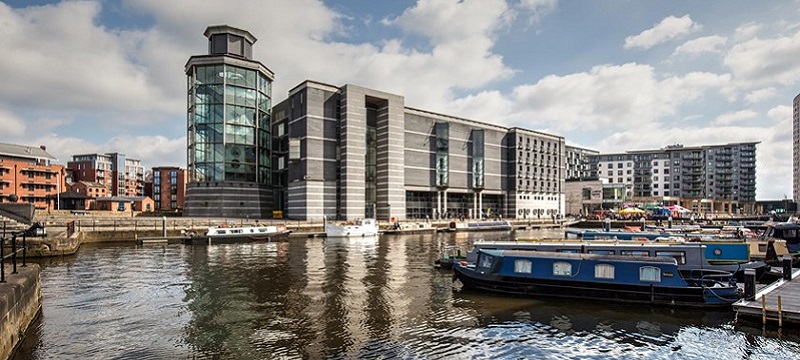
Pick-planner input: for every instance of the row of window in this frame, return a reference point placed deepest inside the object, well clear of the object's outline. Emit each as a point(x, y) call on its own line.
point(601, 271)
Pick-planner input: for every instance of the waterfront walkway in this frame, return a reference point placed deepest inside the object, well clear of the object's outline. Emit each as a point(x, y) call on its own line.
point(765, 307)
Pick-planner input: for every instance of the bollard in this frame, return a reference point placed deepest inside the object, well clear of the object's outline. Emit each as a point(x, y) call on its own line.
point(750, 284)
point(608, 224)
point(164, 226)
point(787, 267)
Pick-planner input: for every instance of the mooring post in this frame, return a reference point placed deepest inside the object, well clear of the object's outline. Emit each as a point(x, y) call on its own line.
point(750, 284)
point(164, 226)
point(787, 267)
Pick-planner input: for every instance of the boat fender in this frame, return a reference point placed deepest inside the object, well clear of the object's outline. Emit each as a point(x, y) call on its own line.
point(463, 263)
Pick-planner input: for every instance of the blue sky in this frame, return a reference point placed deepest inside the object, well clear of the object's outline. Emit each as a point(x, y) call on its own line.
point(614, 75)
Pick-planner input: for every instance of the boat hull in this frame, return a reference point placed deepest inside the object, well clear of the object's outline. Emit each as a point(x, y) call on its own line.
point(237, 238)
point(625, 293)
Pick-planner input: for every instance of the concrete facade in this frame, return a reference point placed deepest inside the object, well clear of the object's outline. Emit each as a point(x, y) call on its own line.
point(583, 197)
point(350, 152)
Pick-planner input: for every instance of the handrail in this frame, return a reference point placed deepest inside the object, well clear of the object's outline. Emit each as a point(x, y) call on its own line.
point(13, 254)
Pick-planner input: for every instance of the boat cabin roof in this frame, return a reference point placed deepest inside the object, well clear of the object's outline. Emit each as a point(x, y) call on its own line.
point(578, 256)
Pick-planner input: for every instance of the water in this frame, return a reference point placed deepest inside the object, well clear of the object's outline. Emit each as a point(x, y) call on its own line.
point(341, 299)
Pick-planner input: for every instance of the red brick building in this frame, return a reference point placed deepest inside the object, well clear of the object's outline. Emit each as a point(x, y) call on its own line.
point(27, 174)
point(169, 188)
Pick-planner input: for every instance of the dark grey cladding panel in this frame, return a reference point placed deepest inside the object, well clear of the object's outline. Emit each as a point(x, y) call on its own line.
point(419, 177)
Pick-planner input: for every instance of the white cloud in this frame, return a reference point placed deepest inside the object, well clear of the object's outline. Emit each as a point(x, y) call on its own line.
point(780, 113)
point(760, 62)
point(609, 97)
point(73, 63)
point(734, 117)
point(760, 95)
point(12, 126)
point(747, 31)
point(152, 150)
point(669, 28)
point(707, 44)
point(537, 8)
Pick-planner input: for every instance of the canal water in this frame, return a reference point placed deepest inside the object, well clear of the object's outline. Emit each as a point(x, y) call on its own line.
point(345, 299)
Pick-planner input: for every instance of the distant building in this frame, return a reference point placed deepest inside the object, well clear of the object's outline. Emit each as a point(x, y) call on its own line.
point(126, 204)
point(350, 152)
point(577, 163)
point(796, 149)
point(120, 175)
point(169, 188)
point(91, 189)
point(583, 197)
point(707, 178)
point(26, 173)
point(228, 140)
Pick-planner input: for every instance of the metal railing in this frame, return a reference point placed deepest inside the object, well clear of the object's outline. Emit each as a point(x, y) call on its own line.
point(13, 254)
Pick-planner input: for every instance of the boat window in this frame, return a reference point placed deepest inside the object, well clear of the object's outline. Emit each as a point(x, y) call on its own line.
point(789, 234)
point(679, 256)
point(522, 266)
point(562, 268)
point(650, 273)
point(568, 251)
point(604, 271)
point(602, 252)
point(634, 253)
point(762, 248)
point(485, 261)
point(236, 231)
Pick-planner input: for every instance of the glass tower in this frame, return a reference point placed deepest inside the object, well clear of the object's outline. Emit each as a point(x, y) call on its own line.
point(228, 128)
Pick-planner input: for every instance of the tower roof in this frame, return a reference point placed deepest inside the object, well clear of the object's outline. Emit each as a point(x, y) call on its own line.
point(225, 29)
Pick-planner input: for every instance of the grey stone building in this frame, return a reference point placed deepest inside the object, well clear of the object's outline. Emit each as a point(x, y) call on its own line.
point(228, 128)
point(349, 152)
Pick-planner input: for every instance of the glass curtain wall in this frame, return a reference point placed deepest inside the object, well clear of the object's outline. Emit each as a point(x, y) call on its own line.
point(229, 125)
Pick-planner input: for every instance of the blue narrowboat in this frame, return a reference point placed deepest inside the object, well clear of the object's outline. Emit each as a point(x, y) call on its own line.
point(646, 280)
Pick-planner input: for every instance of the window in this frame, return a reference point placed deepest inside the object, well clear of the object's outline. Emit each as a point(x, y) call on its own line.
point(649, 273)
point(634, 253)
point(485, 261)
point(604, 271)
point(601, 252)
point(522, 266)
point(562, 268)
point(679, 256)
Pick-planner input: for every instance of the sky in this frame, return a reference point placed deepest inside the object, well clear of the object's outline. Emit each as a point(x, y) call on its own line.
point(98, 76)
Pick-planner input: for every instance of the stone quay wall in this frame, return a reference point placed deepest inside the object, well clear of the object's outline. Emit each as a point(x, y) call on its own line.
point(20, 304)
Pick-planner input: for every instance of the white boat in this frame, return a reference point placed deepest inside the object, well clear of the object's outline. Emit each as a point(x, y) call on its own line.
point(225, 234)
point(357, 228)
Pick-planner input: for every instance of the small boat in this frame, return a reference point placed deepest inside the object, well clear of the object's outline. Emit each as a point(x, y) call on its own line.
point(225, 234)
point(410, 228)
point(449, 256)
point(646, 280)
point(358, 228)
point(480, 225)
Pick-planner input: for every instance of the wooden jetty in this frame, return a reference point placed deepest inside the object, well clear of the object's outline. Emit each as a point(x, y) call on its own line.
point(778, 302)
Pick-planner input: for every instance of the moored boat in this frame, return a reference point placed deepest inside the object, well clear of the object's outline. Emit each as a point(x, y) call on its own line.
point(647, 280)
point(480, 225)
point(232, 234)
point(410, 228)
point(357, 228)
point(731, 257)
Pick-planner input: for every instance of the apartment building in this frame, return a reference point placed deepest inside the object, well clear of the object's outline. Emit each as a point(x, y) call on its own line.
point(705, 178)
point(169, 188)
point(27, 175)
point(121, 175)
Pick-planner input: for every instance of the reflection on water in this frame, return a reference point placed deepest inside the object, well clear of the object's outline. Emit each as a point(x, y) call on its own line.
point(344, 298)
